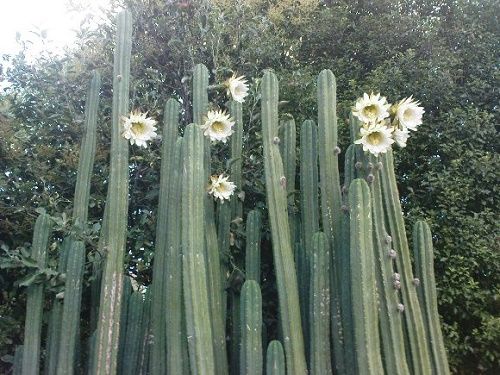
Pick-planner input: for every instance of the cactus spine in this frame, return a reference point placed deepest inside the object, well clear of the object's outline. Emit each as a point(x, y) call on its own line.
point(424, 261)
point(252, 253)
point(158, 301)
point(251, 362)
point(363, 299)
point(275, 359)
point(331, 199)
point(419, 354)
point(34, 299)
point(278, 217)
point(199, 328)
point(108, 329)
point(319, 306)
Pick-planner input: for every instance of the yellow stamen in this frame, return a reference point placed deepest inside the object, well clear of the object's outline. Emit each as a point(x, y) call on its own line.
point(370, 111)
point(374, 138)
point(218, 126)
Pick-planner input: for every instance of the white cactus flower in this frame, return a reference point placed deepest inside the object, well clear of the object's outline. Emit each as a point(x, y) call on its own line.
point(138, 128)
point(401, 136)
point(376, 138)
point(408, 113)
point(371, 108)
point(221, 188)
point(237, 88)
point(218, 126)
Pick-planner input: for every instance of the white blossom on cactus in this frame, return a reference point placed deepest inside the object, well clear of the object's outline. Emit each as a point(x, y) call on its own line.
point(237, 88)
point(138, 128)
point(401, 136)
point(371, 108)
point(218, 126)
point(221, 188)
point(376, 138)
point(408, 113)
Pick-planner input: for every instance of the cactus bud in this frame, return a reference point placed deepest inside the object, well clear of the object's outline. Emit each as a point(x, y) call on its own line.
point(283, 182)
point(344, 208)
point(392, 254)
point(344, 189)
point(370, 166)
point(401, 307)
point(379, 165)
point(396, 284)
point(358, 165)
point(396, 276)
point(276, 140)
point(336, 150)
point(370, 178)
point(416, 281)
point(119, 77)
point(388, 239)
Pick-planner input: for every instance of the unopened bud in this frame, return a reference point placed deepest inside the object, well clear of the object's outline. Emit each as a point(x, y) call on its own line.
point(358, 165)
point(388, 239)
point(344, 208)
point(283, 182)
point(416, 281)
point(396, 276)
point(392, 254)
point(401, 307)
point(370, 166)
point(276, 140)
point(370, 178)
point(336, 150)
point(119, 77)
point(379, 165)
point(396, 284)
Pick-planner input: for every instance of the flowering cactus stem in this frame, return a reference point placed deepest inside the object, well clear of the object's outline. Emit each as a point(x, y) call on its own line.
point(34, 299)
point(280, 231)
point(199, 327)
point(319, 313)
point(309, 214)
point(175, 340)
point(236, 158)
point(133, 334)
point(160, 265)
point(331, 200)
point(126, 293)
point(252, 253)
point(251, 362)
point(418, 349)
point(275, 359)
point(363, 283)
point(112, 282)
point(391, 321)
point(424, 261)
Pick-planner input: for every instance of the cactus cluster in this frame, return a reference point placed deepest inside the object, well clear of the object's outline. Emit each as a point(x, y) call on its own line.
point(349, 300)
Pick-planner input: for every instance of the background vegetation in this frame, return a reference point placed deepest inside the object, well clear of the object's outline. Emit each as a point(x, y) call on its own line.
point(444, 52)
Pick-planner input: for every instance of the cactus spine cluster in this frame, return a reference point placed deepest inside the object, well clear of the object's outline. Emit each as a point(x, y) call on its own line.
point(341, 257)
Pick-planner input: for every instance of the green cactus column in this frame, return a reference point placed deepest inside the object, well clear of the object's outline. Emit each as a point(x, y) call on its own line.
point(275, 359)
point(331, 199)
point(252, 252)
point(424, 261)
point(34, 298)
point(419, 354)
point(320, 361)
point(199, 328)
point(236, 111)
point(280, 231)
point(108, 329)
point(133, 334)
point(251, 361)
point(160, 284)
point(363, 299)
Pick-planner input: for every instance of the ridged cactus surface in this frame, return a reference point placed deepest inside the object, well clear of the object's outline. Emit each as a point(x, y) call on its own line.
point(251, 361)
point(252, 252)
point(275, 359)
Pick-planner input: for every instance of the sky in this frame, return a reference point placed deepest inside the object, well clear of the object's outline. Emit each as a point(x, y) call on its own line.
point(25, 16)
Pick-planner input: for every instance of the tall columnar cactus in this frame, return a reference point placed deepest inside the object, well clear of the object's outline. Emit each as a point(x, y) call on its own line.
point(252, 252)
point(70, 318)
point(236, 158)
point(34, 299)
point(251, 361)
point(165, 201)
point(108, 330)
point(424, 261)
point(363, 299)
point(418, 348)
point(278, 217)
point(275, 359)
point(133, 334)
point(173, 276)
point(17, 363)
point(199, 328)
point(390, 316)
point(331, 198)
point(319, 306)
point(212, 252)
point(71, 310)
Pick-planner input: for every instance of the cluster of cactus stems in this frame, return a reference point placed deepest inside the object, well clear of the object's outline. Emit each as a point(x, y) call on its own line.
point(349, 300)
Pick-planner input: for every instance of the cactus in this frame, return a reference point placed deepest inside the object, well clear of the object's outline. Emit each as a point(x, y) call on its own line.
point(199, 328)
point(126, 293)
point(165, 201)
point(173, 275)
point(144, 354)
point(71, 309)
point(319, 306)
point(236, 158)
point(34, 299)
point(17, 363)
point(275, 359)
point(280, 231)
point(391, 321)
point(331, 200)
point(252, 252)
point(419, 353)
point(133, 334)
point(363, 284)
point(108, 329)
point(424, 261)
point(251, 362)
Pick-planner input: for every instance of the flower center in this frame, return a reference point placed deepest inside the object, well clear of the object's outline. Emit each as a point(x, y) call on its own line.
point(408, 114)
point(222, 188)
point(218, 126)
point(370, 111)
point(138, 128)
point(374, 138)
